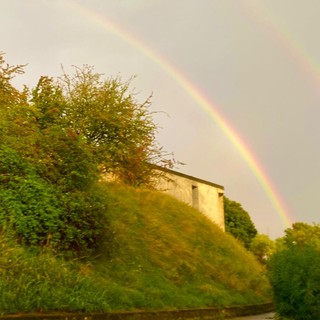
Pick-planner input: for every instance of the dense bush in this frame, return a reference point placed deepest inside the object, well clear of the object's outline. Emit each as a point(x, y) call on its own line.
point(37, 212)
point(295, 277)
point(295, 273)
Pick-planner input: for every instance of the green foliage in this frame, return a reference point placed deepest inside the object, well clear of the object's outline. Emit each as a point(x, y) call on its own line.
point(295, 277)
point(262, 247)
point(84, 223)
point(295, 274)
point(175, 256)
point(29, 208)
point(302, 234)
point(55, 141)
point(49, 102)
point(120, 128)
point(8, 94)
point(31, 282)
point(238, 222)
point(47, 172)
point(163, 255)
point(160, 253)
point(37, 212)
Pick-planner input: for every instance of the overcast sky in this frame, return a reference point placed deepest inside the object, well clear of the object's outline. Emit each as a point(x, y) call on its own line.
point(257, 62)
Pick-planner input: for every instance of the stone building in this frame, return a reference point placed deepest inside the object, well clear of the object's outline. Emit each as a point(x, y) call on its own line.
point(203, 195)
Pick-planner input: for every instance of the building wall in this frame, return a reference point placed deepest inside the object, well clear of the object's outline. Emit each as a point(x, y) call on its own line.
point(205, 196)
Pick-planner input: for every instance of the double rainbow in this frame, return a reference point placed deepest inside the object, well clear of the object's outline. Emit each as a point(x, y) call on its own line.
point(207, 106)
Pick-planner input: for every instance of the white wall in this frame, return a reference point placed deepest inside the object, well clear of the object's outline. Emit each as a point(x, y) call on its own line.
point(204, 196)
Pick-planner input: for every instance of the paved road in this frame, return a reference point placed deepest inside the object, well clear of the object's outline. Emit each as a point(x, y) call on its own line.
point(266, 316)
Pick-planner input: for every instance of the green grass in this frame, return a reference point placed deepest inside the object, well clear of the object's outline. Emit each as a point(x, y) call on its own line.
point(162, 254)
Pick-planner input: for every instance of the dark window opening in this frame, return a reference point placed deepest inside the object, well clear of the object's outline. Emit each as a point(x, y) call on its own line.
point(195, 197)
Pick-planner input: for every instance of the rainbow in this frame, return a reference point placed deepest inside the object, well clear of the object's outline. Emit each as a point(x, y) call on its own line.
point(277, 30)
point(204, 103)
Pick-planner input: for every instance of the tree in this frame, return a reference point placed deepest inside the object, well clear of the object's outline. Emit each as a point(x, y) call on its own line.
point(47, 173)
point(54, 140)
point(49, 102)
point(302, 234)
point(295, 274)
point(238, 222)
point(8, 94)
point(120, 128)
point(262, 247)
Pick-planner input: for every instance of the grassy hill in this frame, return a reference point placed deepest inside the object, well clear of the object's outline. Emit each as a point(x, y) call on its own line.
point(162, 254)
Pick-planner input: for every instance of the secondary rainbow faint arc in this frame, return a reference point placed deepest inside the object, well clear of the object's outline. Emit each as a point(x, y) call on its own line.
point(273, 25)
point(196, 95)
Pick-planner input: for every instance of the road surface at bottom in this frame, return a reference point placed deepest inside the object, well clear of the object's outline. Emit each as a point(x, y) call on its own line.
point(265, 316)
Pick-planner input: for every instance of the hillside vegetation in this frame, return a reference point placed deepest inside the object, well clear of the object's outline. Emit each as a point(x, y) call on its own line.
point(162, 254)
point(71, 242)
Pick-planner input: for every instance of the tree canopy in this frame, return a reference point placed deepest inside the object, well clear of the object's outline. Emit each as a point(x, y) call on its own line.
point(302, 234)
point(238, 222)
point(262, 247)
point(119, 128)
point(295, 273)
point(56, 139)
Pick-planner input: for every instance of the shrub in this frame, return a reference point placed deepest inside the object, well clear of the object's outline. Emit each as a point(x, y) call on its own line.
point(39, 213)
point(295, 277)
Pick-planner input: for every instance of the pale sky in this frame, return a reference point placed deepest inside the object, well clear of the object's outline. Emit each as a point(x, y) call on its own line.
point(257, 63)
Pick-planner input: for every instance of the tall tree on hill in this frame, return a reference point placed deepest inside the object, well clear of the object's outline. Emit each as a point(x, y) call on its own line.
point(8, 93)
point(47, 174)
point(54, 140)
point(238, 222)
point(120, 128)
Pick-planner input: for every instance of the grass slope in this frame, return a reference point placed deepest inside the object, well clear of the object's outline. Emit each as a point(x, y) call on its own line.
point(163, 255)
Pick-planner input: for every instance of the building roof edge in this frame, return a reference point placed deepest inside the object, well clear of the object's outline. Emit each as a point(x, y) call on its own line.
point(189, 177)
